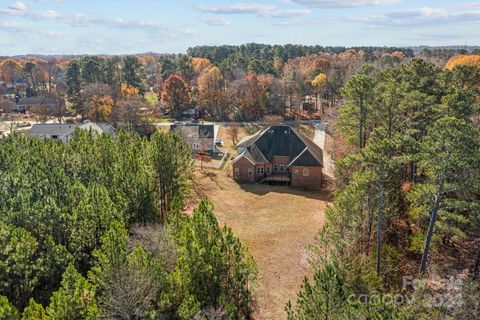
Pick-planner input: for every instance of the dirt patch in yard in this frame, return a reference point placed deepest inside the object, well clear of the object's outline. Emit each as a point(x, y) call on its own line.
point(276, 223)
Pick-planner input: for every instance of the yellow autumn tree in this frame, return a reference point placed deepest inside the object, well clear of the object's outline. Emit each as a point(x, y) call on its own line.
point(463, 59)
point(201, 64)
point(318, 83)
point(210, 91)
point(100, 108)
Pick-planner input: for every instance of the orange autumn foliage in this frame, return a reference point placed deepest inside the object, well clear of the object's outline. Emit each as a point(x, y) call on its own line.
point(307, 67)
point(9, 69)
point(129, 91)
point(463, 59)
point(398, 54)
point(100, 108)
point(210, 88)
point(201, 64)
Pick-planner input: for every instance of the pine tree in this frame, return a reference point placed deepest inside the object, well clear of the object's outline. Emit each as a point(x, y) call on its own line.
point(214, 269)
point(74, 84)
point(358, 94)
point(74, 300)
point(173, 168)
point(450, 152)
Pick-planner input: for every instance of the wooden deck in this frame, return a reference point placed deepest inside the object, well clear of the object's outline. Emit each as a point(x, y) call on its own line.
point(276, 178)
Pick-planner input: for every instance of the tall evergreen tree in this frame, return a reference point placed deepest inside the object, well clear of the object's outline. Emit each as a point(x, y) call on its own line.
point(134, 73)
point(74, 84)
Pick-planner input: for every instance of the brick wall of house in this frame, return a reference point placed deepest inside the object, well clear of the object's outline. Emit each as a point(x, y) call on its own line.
point(278, 161)
point(307, 177)
point(260, 171)
point(241, 170)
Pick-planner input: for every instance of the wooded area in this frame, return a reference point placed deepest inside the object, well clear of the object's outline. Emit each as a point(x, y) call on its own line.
point(94, 228)
point(405, 197)
point(223, 83)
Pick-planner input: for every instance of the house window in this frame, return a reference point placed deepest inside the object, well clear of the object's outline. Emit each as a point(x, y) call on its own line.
point(237, 171)
point(268, 169)
point(306, 172)
point(250, 171)
point(275, 167)
point(260, 170)
point(296, 171)
point(282, 168)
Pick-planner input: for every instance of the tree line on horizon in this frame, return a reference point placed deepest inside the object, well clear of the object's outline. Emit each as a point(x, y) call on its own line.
point(225, 82)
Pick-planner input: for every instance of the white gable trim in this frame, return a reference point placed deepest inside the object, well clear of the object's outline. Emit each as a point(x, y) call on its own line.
point(295, 159)
point(242, 155)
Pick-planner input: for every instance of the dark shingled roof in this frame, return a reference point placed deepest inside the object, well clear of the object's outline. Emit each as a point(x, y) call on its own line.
point(282, 141)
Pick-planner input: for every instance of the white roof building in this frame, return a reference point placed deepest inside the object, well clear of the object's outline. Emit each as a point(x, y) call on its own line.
point(64, 132)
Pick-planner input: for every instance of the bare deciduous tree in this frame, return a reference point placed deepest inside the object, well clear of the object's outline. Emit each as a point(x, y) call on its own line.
point(232, 132)
point(130, 294)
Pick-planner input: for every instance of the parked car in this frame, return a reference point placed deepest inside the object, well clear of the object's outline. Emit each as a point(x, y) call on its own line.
point(218, 142)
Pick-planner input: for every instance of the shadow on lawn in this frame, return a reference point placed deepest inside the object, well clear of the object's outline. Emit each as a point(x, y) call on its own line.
point(262, 190)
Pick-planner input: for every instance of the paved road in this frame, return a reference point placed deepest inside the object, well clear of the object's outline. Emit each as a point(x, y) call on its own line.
point(320, 127)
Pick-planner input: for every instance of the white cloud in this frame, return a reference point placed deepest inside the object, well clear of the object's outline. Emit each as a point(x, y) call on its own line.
point(424, 16)
point(237, 8)
point(216, 21)
point(26, 29)
point(268, 11)
point(290, 13)
point(344, 3)
point(82, 20)
point(18, 6)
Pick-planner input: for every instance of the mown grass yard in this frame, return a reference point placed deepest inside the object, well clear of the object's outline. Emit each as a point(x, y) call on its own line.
point(276, 224)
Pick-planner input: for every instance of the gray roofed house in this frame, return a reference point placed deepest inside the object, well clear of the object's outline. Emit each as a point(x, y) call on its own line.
point(39, 105)
point(200, 137)
point(279, 154)
point(64, 132)
point(281, 141)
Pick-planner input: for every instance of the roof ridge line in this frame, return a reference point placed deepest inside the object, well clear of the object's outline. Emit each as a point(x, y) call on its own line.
point(303, 137)
point(298, 156)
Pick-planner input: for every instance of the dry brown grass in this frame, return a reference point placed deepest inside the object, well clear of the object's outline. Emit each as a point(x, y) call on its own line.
point(276, 224)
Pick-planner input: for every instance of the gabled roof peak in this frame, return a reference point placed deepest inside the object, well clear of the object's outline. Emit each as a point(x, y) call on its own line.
point(283, 140)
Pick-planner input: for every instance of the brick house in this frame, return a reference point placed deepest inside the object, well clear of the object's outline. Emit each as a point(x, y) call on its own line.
point(279, 154)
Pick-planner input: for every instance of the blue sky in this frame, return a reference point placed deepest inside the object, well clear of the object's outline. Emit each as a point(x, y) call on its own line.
point(127, 26)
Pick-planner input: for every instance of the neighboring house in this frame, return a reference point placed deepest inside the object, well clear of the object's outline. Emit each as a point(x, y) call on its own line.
point(64, 132)
point(279, 154)
point(38, 105)
point(106, 128)
point(200, 137)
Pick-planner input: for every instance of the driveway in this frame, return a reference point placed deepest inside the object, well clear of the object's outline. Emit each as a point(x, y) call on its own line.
point(319, 138)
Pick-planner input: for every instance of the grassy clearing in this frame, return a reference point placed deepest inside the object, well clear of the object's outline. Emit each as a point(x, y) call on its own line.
point(276, 224)
point(151, 98)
